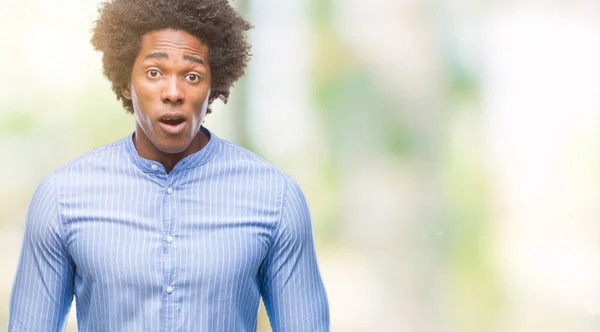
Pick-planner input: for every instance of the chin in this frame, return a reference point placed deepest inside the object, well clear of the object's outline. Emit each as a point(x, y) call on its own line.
point(172, 147)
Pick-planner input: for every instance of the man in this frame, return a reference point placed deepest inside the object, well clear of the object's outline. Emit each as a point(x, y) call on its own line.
point(171, 228)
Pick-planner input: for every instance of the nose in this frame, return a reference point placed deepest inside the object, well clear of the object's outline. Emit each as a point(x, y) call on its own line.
point(172, 93)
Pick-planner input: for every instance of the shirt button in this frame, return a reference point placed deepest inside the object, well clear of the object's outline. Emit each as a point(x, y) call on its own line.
point(154, 168)
point(169, 239)
point(169, 290)
point(170, 191)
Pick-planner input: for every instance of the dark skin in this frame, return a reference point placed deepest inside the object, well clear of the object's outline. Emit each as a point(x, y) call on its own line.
point(170, 85)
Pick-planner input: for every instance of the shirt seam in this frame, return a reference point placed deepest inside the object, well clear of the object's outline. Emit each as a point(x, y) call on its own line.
point(61, 225)
point(60, 172)
point(254, 158)
point(276, 235)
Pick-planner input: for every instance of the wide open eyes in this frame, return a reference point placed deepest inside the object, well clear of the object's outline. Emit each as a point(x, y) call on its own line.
point(153, 73)
point(192, 78)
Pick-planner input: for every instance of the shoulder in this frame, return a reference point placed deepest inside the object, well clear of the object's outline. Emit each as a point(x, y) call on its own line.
point(84, 169)
point(244, 159)
point(95, 158)
point(260, 171)
point(237, 153)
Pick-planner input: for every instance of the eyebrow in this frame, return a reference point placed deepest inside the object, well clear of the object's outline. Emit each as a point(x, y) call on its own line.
point(193, 59)
point(163, 55)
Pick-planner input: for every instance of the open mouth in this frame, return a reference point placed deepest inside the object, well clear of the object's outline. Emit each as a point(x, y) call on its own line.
point(172, 121)
point(172, 124)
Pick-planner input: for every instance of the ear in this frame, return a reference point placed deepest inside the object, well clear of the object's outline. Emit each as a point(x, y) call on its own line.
point(126, 91)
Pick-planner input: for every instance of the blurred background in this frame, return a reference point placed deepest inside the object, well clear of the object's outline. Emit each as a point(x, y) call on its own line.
point(449, 150)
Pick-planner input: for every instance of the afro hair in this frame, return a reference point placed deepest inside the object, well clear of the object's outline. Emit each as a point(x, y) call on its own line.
point(118, 32)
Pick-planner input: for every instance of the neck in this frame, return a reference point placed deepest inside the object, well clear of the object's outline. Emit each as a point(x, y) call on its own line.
point(147, 150)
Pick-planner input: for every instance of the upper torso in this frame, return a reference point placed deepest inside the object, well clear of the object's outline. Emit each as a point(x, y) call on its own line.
point(182, 250)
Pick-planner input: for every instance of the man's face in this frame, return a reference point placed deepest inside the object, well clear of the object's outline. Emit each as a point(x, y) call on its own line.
point(170, 85)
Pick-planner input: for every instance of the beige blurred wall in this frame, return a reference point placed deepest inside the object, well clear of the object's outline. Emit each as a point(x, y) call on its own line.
point(448, 149)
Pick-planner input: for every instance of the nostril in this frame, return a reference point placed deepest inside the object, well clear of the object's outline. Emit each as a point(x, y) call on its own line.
point(173, 101)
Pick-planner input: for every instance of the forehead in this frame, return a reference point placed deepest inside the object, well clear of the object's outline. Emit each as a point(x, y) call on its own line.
point(173, 41)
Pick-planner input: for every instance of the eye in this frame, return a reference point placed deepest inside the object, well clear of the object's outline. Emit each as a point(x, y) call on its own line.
point(153, 73)
point(193, 78)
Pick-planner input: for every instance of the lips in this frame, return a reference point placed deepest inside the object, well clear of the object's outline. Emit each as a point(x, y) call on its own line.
point(172, 123)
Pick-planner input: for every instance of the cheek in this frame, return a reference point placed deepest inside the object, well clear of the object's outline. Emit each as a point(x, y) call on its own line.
point(142, 95)
point(203, 108)
point(142, 115)
point(198, 118)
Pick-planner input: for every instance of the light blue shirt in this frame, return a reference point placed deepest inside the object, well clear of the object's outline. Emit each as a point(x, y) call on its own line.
point(192, 250)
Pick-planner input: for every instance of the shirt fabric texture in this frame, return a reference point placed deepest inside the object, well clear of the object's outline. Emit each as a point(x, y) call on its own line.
point(192, 250)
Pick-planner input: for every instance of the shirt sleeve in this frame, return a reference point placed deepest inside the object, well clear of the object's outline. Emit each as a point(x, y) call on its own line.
point(291, 284)
point(43, 288)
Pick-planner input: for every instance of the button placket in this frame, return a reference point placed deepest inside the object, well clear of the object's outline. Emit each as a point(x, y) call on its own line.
point(170, 250)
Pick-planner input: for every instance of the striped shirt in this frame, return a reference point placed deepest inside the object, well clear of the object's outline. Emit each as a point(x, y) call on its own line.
point(192, 250)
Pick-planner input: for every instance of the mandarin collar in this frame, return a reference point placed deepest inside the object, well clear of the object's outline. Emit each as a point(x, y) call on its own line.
point(194, 160)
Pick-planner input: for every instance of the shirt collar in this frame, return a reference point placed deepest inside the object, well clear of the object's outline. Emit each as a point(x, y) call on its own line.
point(194, 160)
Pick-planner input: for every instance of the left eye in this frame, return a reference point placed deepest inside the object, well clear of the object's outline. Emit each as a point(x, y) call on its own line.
point(193, 78)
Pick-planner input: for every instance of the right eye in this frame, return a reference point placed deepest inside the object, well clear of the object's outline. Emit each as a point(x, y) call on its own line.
point(153, 73)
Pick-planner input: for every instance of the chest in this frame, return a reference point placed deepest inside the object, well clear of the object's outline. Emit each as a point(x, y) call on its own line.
point(167, 235)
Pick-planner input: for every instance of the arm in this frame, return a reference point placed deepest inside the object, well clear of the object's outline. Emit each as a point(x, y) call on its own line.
point(43, 289)
point(291, 285)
